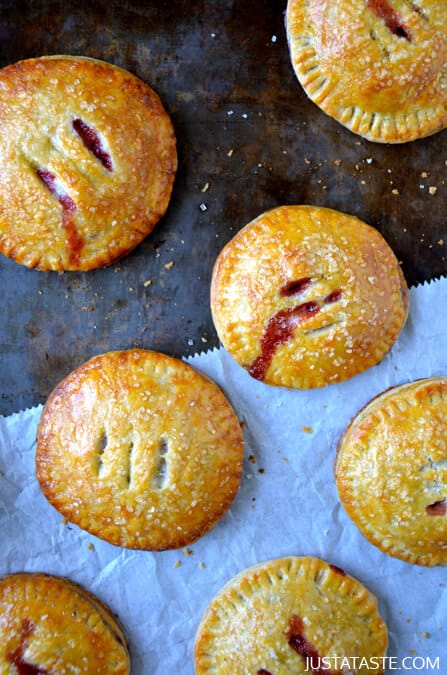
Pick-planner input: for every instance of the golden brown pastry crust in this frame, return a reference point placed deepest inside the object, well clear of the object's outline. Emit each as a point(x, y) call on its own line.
point(391, 471)
point(140, 449)
point(269, 616)
point(376, 66)
point(304, 296)
point(51, 625)
point(88, 161)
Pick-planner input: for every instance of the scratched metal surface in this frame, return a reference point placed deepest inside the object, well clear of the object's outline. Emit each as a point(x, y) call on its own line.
point(244, 128)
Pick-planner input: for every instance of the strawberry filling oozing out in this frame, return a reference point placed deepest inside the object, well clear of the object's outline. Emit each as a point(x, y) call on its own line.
point(74, 240)
point(281, 326)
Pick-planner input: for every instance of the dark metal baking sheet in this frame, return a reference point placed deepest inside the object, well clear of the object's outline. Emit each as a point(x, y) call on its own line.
point(247, 131)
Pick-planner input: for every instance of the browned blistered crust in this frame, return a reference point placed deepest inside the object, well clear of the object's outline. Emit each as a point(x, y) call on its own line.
point(108, 209)
point(249, 626)
point(55, 625)
point(391, 471)
point(341, 267)
point(140, 449)
point(377, 66)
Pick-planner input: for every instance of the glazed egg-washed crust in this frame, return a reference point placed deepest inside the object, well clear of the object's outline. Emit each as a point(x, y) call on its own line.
point(51, 625)
point(305, 296)
point(377, 66)
point(88, 160)
point(270, 616)
point(139, 449)
point(391, 471)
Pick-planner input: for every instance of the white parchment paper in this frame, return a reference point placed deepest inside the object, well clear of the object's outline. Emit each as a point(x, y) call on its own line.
point(287, 505)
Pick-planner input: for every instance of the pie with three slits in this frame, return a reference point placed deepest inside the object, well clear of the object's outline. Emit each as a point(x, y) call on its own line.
point(379, 67)
point(140, 449)
point(88, 159)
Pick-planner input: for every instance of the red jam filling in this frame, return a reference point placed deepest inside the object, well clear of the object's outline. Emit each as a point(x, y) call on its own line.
point(279, 330)
point(74, 240)
point(17, 657)
point(301, 645)
point(295, 287)
point(335, 296)
point(391, 18)
point(437, 509)
point(93, 143)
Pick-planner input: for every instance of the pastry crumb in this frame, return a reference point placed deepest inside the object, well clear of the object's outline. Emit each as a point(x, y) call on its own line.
point(204, 339)
point(188, 551)
point(147, 283)
point(424, 174)
point(169, 265)
point(230, 152)
point(91, 547)
point(337, 162)
point(178, 563)
point(202, 565)
point(432, 189)
point(395, 191)
point(88, 309)
point(425, 634)
point(441, 242)
point(307, 430)
point(205, 187)
point(252, 459)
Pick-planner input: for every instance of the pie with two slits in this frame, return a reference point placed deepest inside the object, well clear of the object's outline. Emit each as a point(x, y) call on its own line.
point(87, 158)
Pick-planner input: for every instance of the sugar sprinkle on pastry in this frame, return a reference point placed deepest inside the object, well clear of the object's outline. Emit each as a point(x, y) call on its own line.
point(88, 161)
point(391, 471)
point(284, 615)
point(305, 296)
point(51, 625)
point(377, 66)
point(140, 449)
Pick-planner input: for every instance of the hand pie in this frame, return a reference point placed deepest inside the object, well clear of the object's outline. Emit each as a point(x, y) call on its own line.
point(88, 161)
point(51, 625)
point(391, 471)
point(376, 66)
point(139, 449)
point(305, 296)
point(285, 616)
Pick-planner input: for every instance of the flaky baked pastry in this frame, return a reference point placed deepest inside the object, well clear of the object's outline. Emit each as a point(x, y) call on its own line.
point(391, 471)
point(285, 616)
point(139, 449)
point(51, 625)
point(88, 159)
point(304, 296)
point(379, 67)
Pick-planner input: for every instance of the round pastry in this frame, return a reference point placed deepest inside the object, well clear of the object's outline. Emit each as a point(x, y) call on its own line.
point(376, 66)
point(391, 471)
point(291, 615)
point(88, 162)
point(139, 449)
point(51, 625)
point(304, 296)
